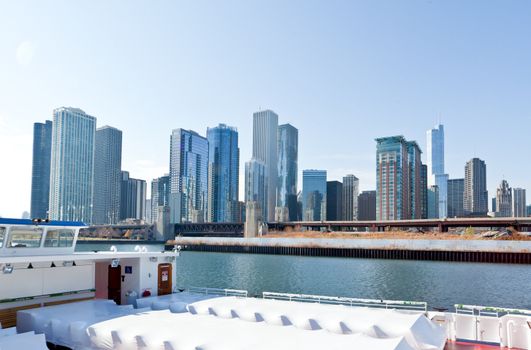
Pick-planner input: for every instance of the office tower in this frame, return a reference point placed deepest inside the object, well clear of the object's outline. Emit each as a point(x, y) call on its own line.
point(72, 165)
point(132, 197)
point(519, 202)
point(493, 204)
point(433, 202)
point(415, 179)
point(504, 200)
point(456, 189)
point(223, 173)
point(424, 191)
point(528, 210)
point(475, 199)
point(435, 160)
point(188, 176)
point(314, 195)
point(265, 124)
point(160, 195)
point(351, 186)
point(107, 175)
point(334, 201)
point(367, 206)
point(256, 183)
point(40, 172)
point(147, 211)
point(287, 146)
point(392, 179)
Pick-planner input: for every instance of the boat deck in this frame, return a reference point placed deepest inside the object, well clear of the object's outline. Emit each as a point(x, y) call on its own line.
point(469, 346)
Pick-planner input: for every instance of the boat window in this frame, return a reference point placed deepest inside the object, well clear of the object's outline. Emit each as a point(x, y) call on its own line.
point(2, 234)
point(60, 238)
point(24, 237)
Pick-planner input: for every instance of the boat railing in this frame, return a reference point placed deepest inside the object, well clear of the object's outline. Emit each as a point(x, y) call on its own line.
point(476, 310)
point(218, 291)
point(374, 303)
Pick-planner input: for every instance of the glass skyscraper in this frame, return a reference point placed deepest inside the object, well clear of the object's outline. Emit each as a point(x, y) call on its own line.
point(456, 189)
point(287, 146)
point(40, 172)
point(72, 165)
point(188, 176)
point(223, 174)
point(107, 175)
point(314, 195)
point(435, 162)
point(132, 198)
point(351, 188)
point(160, 195)
point(415, 180)
point(256, 183)
point(265, 124)
point(476, 197)
point(519, 203)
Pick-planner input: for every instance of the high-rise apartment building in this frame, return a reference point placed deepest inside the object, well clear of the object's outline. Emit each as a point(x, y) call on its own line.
point(519, 202)
point(314, 195)
point(287, 147)
point(132, 197)
point(351, 188)
point(107, 175)
point(223, 174)
point(456, 190)
point(256, 184)
point(334, 201)
point(40, 171)
point(265, 129)
point(416, 192)
point(435, 163)
point(475, 199)
point(160, 195)
point(504, 200)
point(72, 165)
point(424, 191)
point(188, 176)
point(367, 206)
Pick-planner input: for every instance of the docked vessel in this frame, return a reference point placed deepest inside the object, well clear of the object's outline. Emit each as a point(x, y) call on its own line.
point(52, 296)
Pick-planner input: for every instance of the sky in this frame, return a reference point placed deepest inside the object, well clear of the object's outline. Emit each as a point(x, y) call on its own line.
point(342, 72)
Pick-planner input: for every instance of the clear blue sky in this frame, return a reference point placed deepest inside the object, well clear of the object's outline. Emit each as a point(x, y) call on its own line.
point(343, 72)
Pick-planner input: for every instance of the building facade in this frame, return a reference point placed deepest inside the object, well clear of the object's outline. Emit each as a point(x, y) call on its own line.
point(367, 206)
point(160, 195)
point(256, 184)
point(72, 165)
point(433, 202)
point(223, 173)
point(40, 171)
point(351, 188)
point(416, 182)
point(265, 128)
point(132, 198)
point(287, 146)
point(314, 195)
point(107, 175)
point(519, 203)
point(504, 200)
point(188, 176)
point(456, 191)
point(334, 201)
point(435, 163)
point(475, 199)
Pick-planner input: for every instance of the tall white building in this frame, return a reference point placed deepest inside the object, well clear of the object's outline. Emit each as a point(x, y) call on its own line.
point(72, 165)
point(256, 184)
point(436, 175)
point(504, 200)
point(519, 202)
point(265, 125)
point(351, 189)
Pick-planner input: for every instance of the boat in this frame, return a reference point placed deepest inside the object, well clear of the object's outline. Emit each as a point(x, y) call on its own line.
point(54, 297)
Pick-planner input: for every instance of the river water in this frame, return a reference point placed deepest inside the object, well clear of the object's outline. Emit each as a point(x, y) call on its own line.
point(441, 284)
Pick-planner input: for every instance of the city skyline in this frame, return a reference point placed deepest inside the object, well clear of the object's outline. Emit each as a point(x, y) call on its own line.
point(354, 86)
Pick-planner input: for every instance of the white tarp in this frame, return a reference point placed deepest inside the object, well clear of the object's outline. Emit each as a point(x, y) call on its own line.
point(23, 341)
point(175, 300)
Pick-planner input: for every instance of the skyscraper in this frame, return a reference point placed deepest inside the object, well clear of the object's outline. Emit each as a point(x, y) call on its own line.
point(424, 191)
point(435, 162)
point(160, 195)
point(132, 197)
point(107, 175)
point(367, 206)
point(72, 165)
point(265, 124)
point(392, 179)
point(416, 191)
point(256, 183)
point(433, 202)
point(287, 146)
point(351, 186)
point(223, 173)
point(40, 172)
point(475, 199)
point(314, 195)
point(456, 189)
point(519, 202)
point(504, 200)
point(334, 201)
point(188, 176)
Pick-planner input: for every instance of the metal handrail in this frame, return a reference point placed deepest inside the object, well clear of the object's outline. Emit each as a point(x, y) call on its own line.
point(218, 291)
point(387, 304)
point(489, 310)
